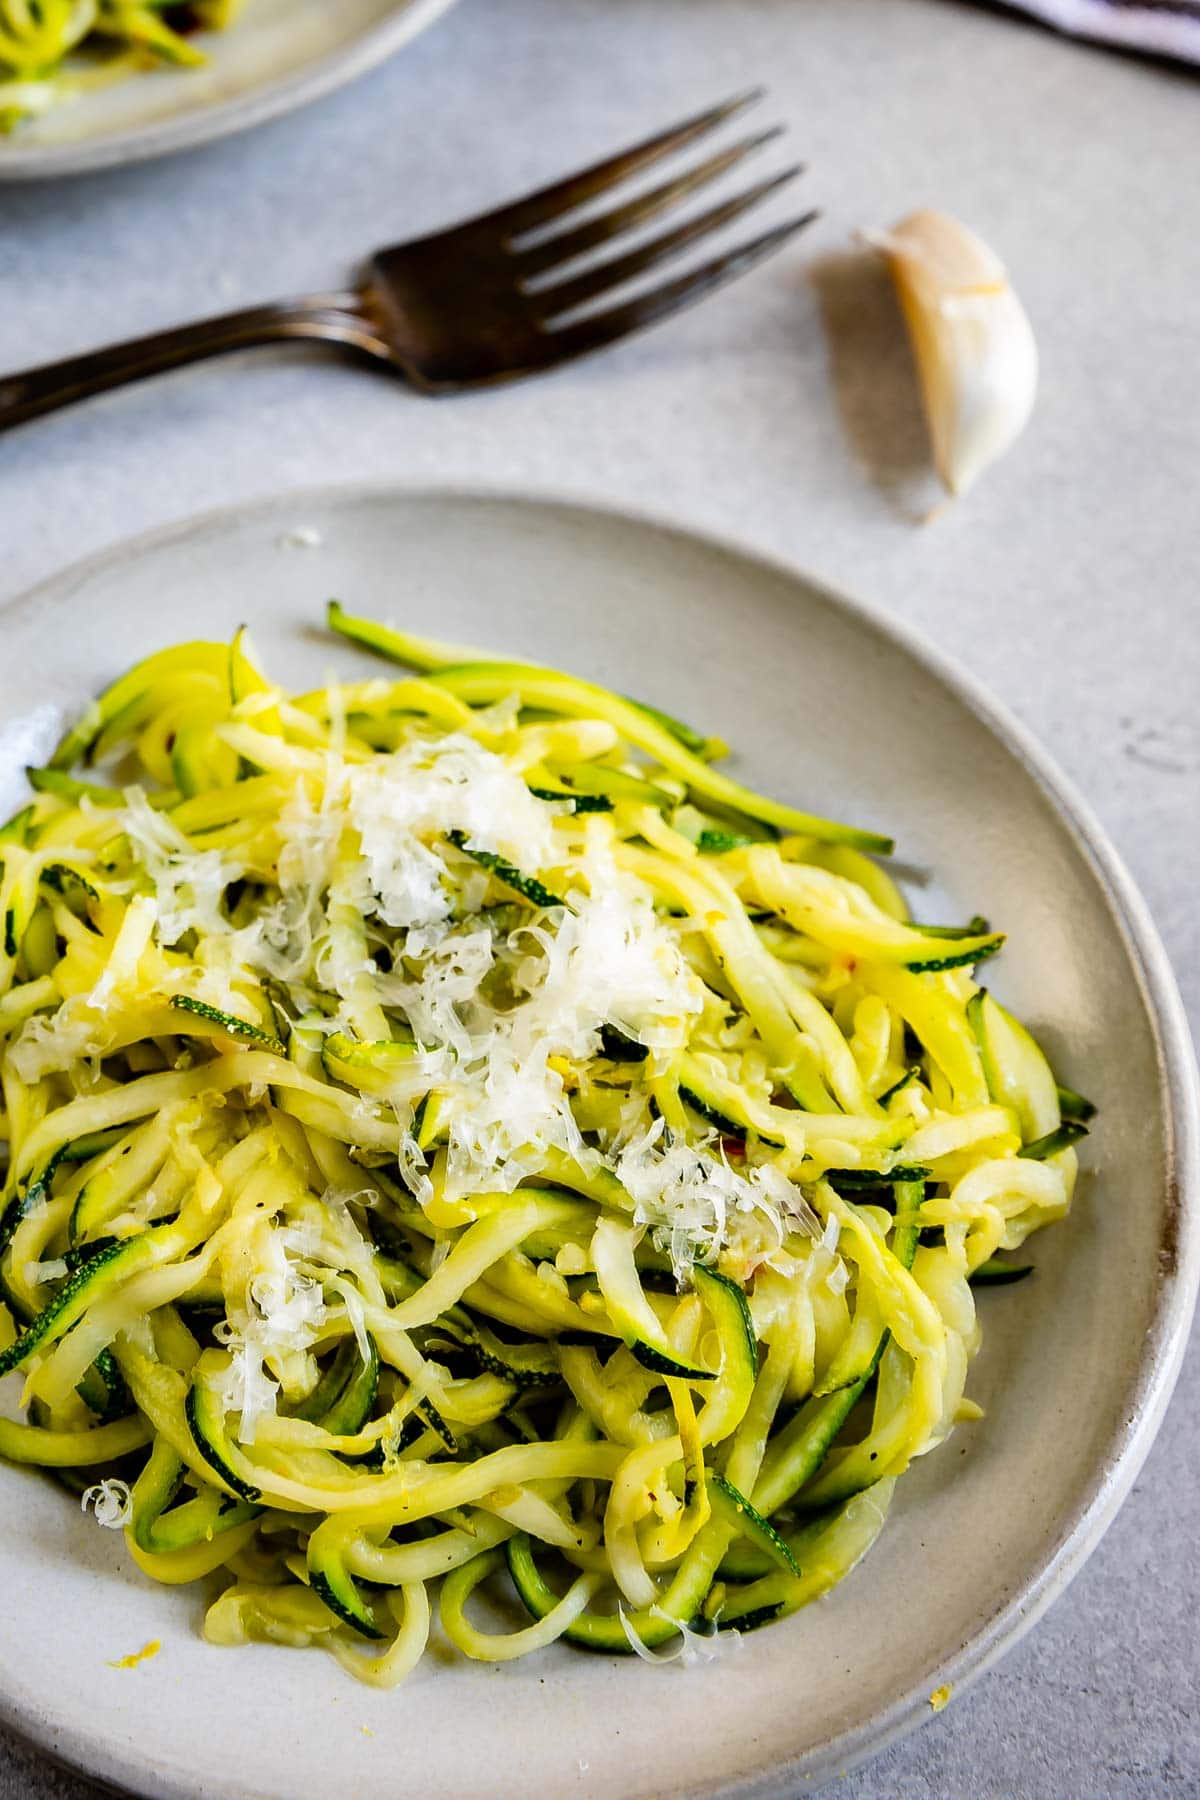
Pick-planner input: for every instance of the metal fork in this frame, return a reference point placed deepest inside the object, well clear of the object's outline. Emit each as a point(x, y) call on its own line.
point(491, 300)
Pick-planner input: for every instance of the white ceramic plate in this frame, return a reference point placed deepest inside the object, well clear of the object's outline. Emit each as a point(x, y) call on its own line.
point(835, 710)
point(280, 54)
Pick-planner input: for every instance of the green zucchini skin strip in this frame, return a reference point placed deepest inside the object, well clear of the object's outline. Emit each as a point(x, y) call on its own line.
point(343, 1397)
point(241, 1029)
point(200, 1521)
point(24, 1201)
point(705, 748)
point(1016, 1071)
point(371, 1068)
point(736, 1510)
point(72, 1449)
point(826, 1549)
point(351, 1408)
point(976, 927)
point(995, 1273)
point(956, 959)
point(423, 654)
point(725, 1404)
point(1068, 1133)
point(74, 1297)
point(659, 1363)
point(152, 1494)
point(580, 803)
point(528, 886)
point(856, 1181)
point(1074, 1107)
point(15, 829)
point(728, 1127)
point(597, 1632)
point(529, 1366)
point(911, 1074)
point(207, 1427)
point(479, 683)
point(427, 655)
point(802, 1446)
point(714, 842)
point(613, 1257)
point(330, 1578)
point(66, 787)
point(475, 682)
point(105, 1389)
point(619, 1048)
point(341, 1402)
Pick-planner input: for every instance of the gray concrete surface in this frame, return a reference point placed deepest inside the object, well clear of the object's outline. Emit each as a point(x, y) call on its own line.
point(782, 413)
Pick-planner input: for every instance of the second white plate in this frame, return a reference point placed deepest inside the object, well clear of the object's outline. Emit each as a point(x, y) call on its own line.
point(279, 55)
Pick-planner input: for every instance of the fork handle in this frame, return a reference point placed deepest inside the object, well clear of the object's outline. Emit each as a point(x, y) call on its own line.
point(331, 318)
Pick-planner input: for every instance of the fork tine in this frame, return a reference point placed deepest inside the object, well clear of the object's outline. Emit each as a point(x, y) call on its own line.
point(564, 246)
point(565, 296)
point(563, 196)
point(594, 333)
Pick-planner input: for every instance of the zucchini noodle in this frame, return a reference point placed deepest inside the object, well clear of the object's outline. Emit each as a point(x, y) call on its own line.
point(453, 1134)
point(54, 50)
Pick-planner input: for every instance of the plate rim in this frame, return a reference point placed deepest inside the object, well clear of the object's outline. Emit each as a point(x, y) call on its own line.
point(223, 118)
point(1080, 1530)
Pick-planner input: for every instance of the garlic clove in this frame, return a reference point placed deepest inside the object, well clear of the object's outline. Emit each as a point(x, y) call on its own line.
point(974, 346)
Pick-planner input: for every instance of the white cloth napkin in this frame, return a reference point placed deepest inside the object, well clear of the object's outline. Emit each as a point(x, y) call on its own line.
point(1161, 27)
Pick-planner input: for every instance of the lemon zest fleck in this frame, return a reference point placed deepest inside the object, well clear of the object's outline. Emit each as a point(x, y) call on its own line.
point(138, 1656)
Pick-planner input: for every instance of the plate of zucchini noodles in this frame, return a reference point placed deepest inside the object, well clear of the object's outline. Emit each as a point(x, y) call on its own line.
point(569, 1101)
point(89, 84)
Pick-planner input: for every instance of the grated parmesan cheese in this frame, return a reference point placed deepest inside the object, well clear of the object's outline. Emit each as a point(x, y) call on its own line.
point(37, 1272)
point(693, 1647)
point(282, 1314)
point(111, 1502)
point(51, 1041)
point(188, 884)
point(696, 1206)
point(838, 1278)
point(607, 960)
point(432, 786)
point(498, 1018)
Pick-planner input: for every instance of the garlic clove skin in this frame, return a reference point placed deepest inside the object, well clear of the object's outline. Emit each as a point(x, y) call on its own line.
point(974, 346)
